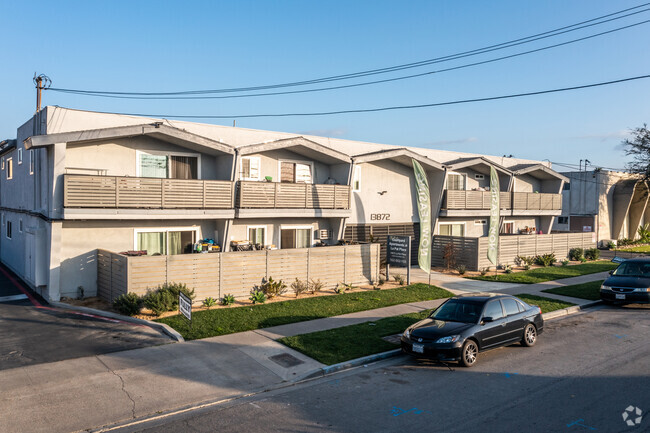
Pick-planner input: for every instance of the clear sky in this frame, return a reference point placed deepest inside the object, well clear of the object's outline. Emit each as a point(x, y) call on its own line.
point(165, 46)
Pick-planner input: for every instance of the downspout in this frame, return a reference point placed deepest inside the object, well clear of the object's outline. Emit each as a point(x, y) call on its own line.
point(226, 230)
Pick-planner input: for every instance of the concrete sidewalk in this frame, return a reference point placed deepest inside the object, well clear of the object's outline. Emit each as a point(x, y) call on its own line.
point(87, 393)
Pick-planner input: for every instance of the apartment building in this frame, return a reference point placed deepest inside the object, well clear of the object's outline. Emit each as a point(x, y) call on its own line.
point(76, 181)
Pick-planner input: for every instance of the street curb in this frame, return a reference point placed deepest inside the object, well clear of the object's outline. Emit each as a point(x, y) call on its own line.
point(165, 329)
point(323, 371)
point(570, 310)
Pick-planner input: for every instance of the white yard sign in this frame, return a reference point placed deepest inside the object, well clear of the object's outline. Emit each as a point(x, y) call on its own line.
point(185, 306)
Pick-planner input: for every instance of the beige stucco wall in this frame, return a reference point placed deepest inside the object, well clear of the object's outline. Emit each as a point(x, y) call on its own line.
point(270, 165)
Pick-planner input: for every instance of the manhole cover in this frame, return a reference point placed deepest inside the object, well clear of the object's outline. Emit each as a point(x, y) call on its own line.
point(285, 360)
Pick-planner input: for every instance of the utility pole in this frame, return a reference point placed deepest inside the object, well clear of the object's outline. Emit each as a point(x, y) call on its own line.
point(42, 82)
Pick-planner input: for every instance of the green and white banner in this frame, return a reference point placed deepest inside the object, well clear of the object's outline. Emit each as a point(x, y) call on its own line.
point(495, 207)
point(424, 210)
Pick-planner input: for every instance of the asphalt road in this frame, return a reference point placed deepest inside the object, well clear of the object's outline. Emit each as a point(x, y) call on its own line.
point(581, 376)
point(31, 332)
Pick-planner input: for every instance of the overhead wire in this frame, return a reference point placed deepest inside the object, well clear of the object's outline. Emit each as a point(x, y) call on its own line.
point(532, 38)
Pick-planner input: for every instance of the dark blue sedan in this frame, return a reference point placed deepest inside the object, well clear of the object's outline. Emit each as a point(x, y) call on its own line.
point(465, 325)
point(629, 283)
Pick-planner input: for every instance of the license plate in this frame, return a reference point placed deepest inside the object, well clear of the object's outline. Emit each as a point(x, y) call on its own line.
point(620, 296)
point(418, 348)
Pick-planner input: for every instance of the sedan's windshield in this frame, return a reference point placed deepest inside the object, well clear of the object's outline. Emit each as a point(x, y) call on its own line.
point(456, 310)
point(633, 269)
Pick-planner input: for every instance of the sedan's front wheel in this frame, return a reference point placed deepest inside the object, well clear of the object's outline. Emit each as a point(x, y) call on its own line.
point(469, 354)
point(530, 336)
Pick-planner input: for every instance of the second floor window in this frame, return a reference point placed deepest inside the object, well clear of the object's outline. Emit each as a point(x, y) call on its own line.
point(455, 182)
point(356, 178)
point(295, 172)
point(250, 168)
point(9, 167)
point(169, 166)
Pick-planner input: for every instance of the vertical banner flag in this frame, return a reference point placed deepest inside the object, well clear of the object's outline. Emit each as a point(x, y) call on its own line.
point(424, 210)
point(495, 207)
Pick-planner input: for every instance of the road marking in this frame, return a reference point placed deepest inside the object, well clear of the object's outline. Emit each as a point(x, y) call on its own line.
point(509, 375)
point(12, 298)
point(580, 423)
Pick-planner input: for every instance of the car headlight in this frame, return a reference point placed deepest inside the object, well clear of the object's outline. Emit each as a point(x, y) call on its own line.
point(642, 289)
point(407, 333)
point(604, 287)
point(450, 339)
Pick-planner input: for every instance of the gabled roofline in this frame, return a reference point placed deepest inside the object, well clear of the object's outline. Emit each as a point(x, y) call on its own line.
point(7, 145)
point(394, 153)
point(284, 143)
point(543, 168)
point(477, 160)
point(153, 129)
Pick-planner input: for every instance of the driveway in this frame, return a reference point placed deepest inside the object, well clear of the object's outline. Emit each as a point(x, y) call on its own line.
point(31, 332)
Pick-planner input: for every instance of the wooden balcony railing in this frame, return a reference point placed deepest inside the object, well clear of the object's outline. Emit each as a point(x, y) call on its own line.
point(274, 195)
point(472, 200)
point(83, 191)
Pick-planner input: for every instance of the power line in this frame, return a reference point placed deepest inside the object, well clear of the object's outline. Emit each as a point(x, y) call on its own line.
point(401, 107)
point(483, 50)
point(84, 93)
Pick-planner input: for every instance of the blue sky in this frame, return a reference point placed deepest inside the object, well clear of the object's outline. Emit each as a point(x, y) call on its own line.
point(153, 46)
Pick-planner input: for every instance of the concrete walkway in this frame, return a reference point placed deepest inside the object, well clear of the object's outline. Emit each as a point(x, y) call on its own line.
point(86, 393)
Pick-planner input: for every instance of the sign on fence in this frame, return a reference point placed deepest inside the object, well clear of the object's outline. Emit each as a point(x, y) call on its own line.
point(185, 305)
point(398, 253)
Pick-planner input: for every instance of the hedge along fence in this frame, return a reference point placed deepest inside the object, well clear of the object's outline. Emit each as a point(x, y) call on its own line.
point(472, 252)
point(217, 274)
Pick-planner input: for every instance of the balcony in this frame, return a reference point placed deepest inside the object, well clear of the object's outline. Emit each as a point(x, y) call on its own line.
point(115, 192)
point(274, 195)
point(516, 202)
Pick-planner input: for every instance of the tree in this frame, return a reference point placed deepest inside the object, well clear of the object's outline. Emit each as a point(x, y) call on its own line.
point(639, 147)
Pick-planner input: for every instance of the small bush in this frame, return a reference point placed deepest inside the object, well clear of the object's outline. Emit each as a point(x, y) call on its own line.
point(128, 304)
point(209, 302)
point(583, 260)
point(461, 269)
point(271, 288)
point(299, 287)
point(315, 286)
point(258, 297)
point(484, 271)
point(381, 281)
point(565, 262)
point(526, 267)
point(507, 269)
point(399, 279)
point(160, 301)
point(339, 289)
point(592, 254)
point(524, 260)
point(545, 259)
point(625, 242)
point(228, 299)
point(611, 245)
point(576, 253)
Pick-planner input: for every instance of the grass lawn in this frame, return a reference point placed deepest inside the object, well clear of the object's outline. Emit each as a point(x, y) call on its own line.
point(210, 323)
point(589, 290)
point(637, 249)
point(540, 275)
point(342, 344)
point(546, 304)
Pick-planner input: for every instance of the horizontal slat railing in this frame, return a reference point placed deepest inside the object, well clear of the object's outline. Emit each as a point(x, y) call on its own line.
point(517, 200)
point(275, 195)
point(82, 191)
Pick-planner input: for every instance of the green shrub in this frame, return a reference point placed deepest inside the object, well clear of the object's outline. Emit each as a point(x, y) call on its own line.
point(316, 286)
point(592, 254)
point(524, 260)
point(271, 288)
point(339, 289)
point(128, 304)
point(644, 233)
point(299, 287)
point(576, 253)
point(507, 269)
point(583, 260)
point(209, 302)
point(258, 297)
point(545, 259)
point(381, 281)
point(625, 242)
point(565, 262)
point(399, 279)
point(160, 301)
point(228, 299)
point(461, 269)
point(526, 267)
point(611, 245)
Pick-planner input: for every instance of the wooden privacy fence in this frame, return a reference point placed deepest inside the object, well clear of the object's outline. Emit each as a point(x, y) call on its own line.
point(508, 200)
point(472, 252)
point(236, 273)
point(270, 195)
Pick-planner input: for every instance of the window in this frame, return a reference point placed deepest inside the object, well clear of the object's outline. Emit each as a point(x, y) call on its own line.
point(356, 178)
point(493, 310)
point(298, 237)
point(295, 172)
point(456, 182)
point(10, 169)
point(563, 220)
point(257, 234)
point(508, 227)
point(479, 176)
point(165, 241)
point(8, 229)
point(3, 163)
point(175, 166)
point(20, 225)
point(250, 168)
point(450, 229)
point(20, 156)
point(32, 161)
point(510, 305)
point(567, 186)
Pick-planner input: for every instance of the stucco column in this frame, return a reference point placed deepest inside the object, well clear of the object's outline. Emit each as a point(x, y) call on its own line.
point(56, 161)
point(54, 280)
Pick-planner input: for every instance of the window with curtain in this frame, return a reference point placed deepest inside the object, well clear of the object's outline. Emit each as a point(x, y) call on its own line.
point(455, 182)
point(295, 238)
point(183, 167)
point(257, 235)
point(169, 166)
point(166, 242)
point(152, 242)
point(250, 168)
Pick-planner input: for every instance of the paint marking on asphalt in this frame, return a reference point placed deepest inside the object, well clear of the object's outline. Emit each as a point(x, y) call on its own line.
point(13, 298)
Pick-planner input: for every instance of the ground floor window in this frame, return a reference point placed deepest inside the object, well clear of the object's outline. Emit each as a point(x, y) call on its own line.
point(299, 237)
point(508, 227)
point(451, 229)
point(165, 242)
point(257, 234)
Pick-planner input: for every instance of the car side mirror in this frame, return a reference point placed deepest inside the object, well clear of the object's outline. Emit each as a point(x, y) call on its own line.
point(611, 272)
point(488, 319)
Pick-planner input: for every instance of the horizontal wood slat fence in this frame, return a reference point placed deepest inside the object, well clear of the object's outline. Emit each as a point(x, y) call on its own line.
point(277, 195)
point(472, 252)
point(236, 273)
point(509, 200)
